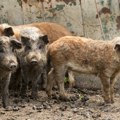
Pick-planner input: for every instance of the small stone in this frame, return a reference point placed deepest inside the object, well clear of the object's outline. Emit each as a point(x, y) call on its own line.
point(84, 99)
point(55, 96)
point(16, 101)
point(22, 105)
point(29, 113)
point(75, 110)
point(34, 107)
point(72, 106)
point(39, 111)
point(81, 108)
point(16, 109)
point(9, 108)
point(45, 105)
point(96, 115)
point(27, 119)
point(48, 107)
point(2, 112)
point(69, 118)
point(63, 108)
point(11, 118)
point(86, 114)
point(62, 114)
point(40, 107)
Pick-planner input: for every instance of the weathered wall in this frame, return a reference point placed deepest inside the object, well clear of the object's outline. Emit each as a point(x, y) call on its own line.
point(80, 16)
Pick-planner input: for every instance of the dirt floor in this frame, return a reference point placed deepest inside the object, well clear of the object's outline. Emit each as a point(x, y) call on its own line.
point(86, 105)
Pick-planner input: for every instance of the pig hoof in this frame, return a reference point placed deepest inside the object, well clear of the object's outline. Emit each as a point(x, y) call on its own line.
point(64, 98)
point(73, 98)
point(112, 101)
point(49, 94)
point(44, 86)
point(11, 108)
point(34, 97)
point(23, 95)
point(71, 85)
point(84, 99)
point(8, 108)
point(16, 108)
point(108, 101)
point(54, 96)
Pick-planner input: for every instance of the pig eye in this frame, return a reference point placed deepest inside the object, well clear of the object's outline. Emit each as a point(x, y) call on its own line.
point(41, 46)
point(28, 48)
point(1, 50)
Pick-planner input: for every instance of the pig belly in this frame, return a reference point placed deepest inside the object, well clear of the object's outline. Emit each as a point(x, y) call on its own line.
point(87, 69)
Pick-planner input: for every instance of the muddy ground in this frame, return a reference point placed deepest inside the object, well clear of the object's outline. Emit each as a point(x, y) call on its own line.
point(85, 105)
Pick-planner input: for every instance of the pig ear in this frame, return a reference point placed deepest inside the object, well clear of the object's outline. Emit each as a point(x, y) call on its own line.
point(45, 39)
point(117, 47)
point(16, 44)
point(24, 40)
point(8, 31)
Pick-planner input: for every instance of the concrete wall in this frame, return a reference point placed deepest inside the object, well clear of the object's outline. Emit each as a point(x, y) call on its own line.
point(97, 19)
point(80, 16)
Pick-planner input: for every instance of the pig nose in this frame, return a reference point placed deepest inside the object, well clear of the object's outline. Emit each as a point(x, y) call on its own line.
point(34, 62)
point(13, 66)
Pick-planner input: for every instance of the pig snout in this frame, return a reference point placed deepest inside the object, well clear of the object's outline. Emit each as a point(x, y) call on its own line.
point(13, 66)
point(9, 62)
point(34, 61)
point(12, 63)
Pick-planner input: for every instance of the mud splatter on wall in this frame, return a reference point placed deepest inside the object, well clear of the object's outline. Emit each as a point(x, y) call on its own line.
point(104, 10)
point(25, 1)
point(68, 1)
point(80, 16)
point(19, 2)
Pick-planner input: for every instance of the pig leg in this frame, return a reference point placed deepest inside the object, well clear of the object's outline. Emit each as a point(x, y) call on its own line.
point(112, 83)
point(24, 85)
point(34, 93)
point(50, 82)
point(16, 82)
point(106, 88)
point(5, 90)
point(59, 77)
point(71, 79)
point(44, 78)
point(42, 82)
